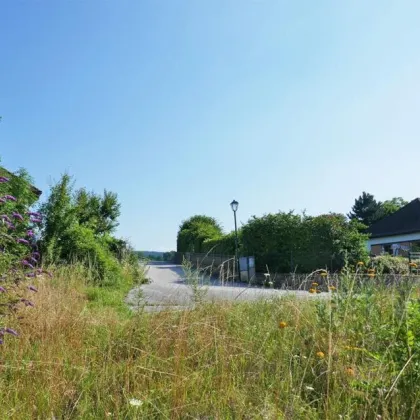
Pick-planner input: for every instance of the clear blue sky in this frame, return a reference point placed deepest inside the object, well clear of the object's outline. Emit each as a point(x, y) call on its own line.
point(180, 106)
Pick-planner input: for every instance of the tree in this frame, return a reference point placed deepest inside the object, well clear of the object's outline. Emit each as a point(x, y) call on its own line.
point(366, 209)
point(194, 231)
point(391, 206)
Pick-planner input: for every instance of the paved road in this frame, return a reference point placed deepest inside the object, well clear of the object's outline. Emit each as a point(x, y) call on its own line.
point(168, 289)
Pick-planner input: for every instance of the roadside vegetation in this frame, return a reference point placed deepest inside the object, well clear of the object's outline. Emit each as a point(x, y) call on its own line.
point(72, 349)
point(355, 355)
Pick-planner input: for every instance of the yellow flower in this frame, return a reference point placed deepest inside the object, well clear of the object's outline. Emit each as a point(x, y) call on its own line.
point(371, 275)
point(360, 263)
point(323, 274)
point(312, 291)
point(413, 265)
point(314, 284)
point(320, 354)
point(282, 324)
point(371, 270)
point(350, 371)
point(318, 291)
point(332, 288)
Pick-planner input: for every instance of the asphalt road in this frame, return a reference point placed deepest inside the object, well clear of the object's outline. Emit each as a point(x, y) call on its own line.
point(168, 289)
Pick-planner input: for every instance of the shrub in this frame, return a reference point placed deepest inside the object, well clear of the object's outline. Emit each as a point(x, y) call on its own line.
point(79, 243)
point(388, 264)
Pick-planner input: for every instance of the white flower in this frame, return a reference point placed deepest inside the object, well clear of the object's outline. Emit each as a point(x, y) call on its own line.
point(135, 402)
point(309, 388)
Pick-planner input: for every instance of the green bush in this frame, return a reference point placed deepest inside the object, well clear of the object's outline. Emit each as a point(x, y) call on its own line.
point(387, 264)
point(80, 244)
point(222, 245)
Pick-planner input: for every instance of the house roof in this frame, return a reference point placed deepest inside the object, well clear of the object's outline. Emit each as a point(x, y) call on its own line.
point(5, 172)
point(404, 221)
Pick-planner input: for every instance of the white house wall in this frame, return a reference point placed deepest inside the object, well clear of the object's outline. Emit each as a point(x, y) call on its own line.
point(393, 239)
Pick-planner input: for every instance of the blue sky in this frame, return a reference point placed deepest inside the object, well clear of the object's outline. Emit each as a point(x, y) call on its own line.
point(181, 106)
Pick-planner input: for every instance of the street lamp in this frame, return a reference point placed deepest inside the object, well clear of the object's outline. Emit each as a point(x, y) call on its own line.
point(234, 205)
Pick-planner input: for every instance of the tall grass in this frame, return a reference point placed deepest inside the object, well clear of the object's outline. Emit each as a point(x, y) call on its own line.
point(354, 355)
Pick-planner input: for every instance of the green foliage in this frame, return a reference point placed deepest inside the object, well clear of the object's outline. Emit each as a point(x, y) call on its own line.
point(289, 242)
point(78, 226)
point(391, 206)
point(169, 256)
point(99, 213)
point(222, 245)
point(387, 264)
point(193, 232)
point(365, 209)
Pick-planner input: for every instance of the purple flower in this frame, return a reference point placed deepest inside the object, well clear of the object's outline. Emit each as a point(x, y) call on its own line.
point(5, 217)
point(29, 303)
point(32, 288)
point(33, 260)
point(35, 220)
point(9, 197)
point(49, 273)
point(4, 179)
point(30, 233)
point(30, 275)
point(2, 290)
point(17, 216)
point(33, 213)
point(35, 254)
point(1, 341)
point(26, 263)
point(22, 241)
point(2, 200)
point(12, 332)
point(10, 225)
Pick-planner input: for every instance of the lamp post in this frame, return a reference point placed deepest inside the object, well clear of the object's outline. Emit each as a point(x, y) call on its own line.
point(234, 205)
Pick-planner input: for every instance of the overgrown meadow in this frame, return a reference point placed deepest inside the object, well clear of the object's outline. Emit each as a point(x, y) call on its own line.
point(72, 349)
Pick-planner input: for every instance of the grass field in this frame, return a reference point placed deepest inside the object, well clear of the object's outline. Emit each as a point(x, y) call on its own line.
point(81, 354)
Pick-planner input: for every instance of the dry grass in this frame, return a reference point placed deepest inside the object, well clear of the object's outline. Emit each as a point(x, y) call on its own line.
point(78, 360)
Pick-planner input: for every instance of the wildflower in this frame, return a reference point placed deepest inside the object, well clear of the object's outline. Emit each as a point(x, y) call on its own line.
point(371, 275)
point(35, 220)
point(413, 265)
point(318, 291)
point(2, 289)
point(332, 288)
point(320, 354)
point(26, 263)
point(371, 270)
point(135, 402)
point(5, 217)
point(323, 274)
point(9, 197)
point(30, 233)
point(350, 371)
point(315, 284)
point(35, 254)
point(17, 216)
point(30, 275)
point(32, 288)
point(309, 388)
point(10, 226)
point(22, 241)
point(4, 179)
point(360, 263)
point(33, 213)
point(282, 324)
point(1, 341)
point(29, 303)
point(2, 200)
point(312, 291)
point(12, 332)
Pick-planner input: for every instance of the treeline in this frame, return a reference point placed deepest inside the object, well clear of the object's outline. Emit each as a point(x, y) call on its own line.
point(288, 242)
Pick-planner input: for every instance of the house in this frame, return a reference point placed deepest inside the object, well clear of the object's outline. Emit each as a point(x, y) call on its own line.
point(397, 233)
point(4, 172)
